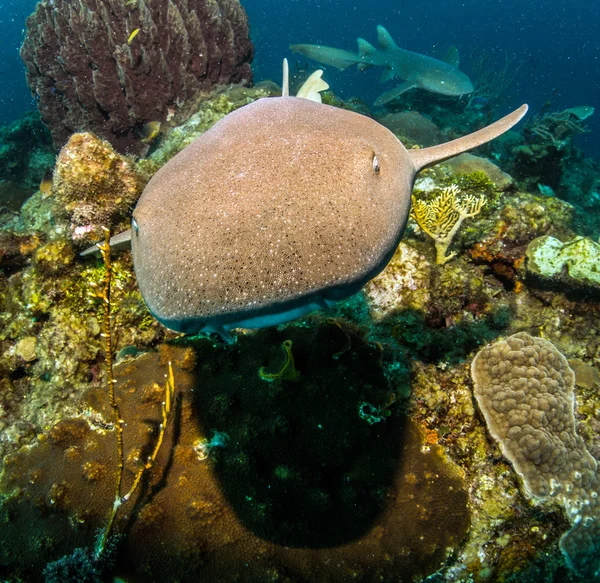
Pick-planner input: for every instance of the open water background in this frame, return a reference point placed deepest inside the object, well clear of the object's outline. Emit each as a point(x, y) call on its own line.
point(557, 41)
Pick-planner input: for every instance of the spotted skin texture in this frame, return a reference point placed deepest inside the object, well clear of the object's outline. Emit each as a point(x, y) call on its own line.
point(283, 207)
point(284, 203)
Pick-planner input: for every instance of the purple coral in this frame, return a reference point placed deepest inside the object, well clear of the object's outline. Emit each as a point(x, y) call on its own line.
point(86, 76)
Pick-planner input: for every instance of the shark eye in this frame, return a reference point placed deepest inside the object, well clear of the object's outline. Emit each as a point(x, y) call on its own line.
point(134, 225)
point(376, 167)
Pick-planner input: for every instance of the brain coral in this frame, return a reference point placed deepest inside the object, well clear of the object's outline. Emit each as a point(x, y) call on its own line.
point(89, 73)
point(524, 387)
point(304, 489)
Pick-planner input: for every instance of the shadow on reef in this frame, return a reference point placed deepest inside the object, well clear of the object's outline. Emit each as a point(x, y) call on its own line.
point(309, 459)
point(287, 459)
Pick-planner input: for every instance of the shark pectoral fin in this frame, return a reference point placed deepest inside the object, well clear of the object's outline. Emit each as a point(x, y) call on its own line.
point(452, 57)
point(117, 242)
point(386, 75)
point(385, 40)
point(338, 58)
point(312, 86)
point(285, 84)
point(425, 157)
point(395, 92)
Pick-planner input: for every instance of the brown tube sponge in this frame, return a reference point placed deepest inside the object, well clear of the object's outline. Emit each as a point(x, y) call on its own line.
point(89, 72)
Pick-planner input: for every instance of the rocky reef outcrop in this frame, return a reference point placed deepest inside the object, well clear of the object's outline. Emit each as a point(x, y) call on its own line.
point(112, 66)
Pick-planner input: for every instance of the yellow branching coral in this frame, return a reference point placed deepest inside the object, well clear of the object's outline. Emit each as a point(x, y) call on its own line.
point(442, 217)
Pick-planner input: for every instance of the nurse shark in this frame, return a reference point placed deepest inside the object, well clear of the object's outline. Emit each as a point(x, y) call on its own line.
point(418, 71)
point(283, 207)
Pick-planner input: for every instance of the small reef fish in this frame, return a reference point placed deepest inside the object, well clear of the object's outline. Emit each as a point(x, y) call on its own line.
point(130, 2)
point(546, 190)
point(46, 184)
point(133, 35)
point(150, 131)
point(418, 71)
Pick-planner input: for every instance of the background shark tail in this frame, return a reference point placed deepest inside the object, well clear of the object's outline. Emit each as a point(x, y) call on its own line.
point(338, 58)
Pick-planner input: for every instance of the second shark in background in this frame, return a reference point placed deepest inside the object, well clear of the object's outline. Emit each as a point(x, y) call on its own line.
point(417, 71)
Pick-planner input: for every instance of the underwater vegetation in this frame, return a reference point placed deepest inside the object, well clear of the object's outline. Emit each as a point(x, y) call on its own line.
point(135, 79)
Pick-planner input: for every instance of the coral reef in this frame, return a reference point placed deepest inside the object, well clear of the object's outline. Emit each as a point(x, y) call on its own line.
point(403, 284)
point(558, 127)
point(412, 128)
point(573, 265)
point(442, 217)
point(468, 164)
point(261, 506)
point(94, 186)
point(524, 387)
point(26, 152)
point(338, 468)
point(88, 72)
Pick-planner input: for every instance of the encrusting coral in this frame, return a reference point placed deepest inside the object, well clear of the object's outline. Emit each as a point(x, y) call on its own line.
point(93, 185)
point(572, 265)
point(442, 217)
point(524, 387)
point(88, 72)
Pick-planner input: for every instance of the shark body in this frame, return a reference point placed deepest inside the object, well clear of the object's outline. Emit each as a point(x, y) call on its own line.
point(283, 207)
point(417, 71)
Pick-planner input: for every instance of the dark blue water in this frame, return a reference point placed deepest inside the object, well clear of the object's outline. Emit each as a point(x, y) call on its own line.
point(15, 98)
point(557, 41)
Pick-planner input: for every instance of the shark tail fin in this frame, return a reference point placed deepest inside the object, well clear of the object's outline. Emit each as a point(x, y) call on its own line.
point(285, 84)
point(385, 40)
point(425, 157)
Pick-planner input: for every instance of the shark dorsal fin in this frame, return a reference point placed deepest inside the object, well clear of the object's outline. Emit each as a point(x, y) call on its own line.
point(312, 87)
point(452, 57)
point(285, 84)
point(385, 40)
point(425, 157)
